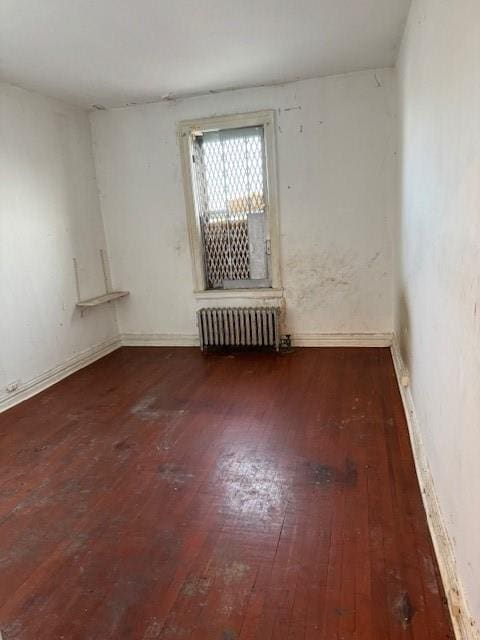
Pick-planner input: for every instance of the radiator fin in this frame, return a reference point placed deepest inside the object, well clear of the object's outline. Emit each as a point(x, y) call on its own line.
point(239, 327)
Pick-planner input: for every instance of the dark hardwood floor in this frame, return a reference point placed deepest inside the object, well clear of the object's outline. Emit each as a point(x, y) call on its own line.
point(160, 493)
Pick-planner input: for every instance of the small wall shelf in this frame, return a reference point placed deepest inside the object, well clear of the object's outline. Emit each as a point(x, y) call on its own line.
point(108, 296)
point(105, 297)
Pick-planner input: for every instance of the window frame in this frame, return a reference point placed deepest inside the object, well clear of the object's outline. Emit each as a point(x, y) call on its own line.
point(185, 129)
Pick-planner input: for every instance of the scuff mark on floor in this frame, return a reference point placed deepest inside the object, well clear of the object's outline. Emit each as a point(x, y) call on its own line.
point(196, 586)
point(404, 610)
point(122, 445)
point(234, 571)
point(430, 576)
point(174, 474)
point(148, 408)
point(155, 408)
point(324, 474)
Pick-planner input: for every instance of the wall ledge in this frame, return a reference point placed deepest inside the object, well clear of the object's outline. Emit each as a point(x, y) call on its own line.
point(220, 295)
point(48, 378)
point(464, 625)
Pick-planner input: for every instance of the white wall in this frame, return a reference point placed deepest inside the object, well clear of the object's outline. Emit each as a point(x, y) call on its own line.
point(49, 213)
point(335, 140)
point(438, 292)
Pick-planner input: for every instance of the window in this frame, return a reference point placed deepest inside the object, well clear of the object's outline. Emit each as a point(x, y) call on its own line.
point(229, 185)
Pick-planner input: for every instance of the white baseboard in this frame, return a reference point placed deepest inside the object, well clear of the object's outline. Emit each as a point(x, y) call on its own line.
point(159, 340)
point(341, 339)
point(298, 339)
point(464, 626)
point(50, 377)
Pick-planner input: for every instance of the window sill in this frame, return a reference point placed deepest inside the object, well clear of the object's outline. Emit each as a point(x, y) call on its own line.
point(235, 294)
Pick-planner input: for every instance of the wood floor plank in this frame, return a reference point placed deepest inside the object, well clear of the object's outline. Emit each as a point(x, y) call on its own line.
point(160, 493)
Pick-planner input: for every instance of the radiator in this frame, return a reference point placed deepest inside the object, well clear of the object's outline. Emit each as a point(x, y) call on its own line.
point(241, 326)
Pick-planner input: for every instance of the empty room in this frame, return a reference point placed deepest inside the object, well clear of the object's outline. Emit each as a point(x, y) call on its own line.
point(240, 320)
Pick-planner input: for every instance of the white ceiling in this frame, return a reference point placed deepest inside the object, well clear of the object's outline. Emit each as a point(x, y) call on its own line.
point(114, 52)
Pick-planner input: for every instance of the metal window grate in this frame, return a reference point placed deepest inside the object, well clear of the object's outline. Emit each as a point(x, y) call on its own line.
point(229, 173)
